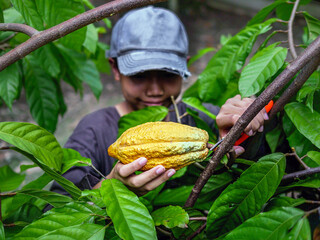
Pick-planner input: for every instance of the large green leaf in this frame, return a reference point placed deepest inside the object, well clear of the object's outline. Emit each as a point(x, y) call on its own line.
point(273, 225)
point(58, 11)
point(300, 231)
point(282, 201)
point(261, 67)
point(83, 68)
point(2, 233)
point(47, 60)
point(69, 186)
point(307, 122)
point(41, 95)
point(29, 11)
point(33, 140)
point(308, 90)
point(91, 40)
point(200, 54)
point(170, 217)
point(246, 197)
point(313, 26)
point(130, 217)
point(9, 179)
point(52, 198)
point(214, 79)
point(148, 114)
point(264, 12)
point(10, 84)
point(50, 224)
point(315, 156)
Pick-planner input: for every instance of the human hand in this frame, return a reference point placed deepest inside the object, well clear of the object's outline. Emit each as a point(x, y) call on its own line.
point(230, 113)
point(144, 182)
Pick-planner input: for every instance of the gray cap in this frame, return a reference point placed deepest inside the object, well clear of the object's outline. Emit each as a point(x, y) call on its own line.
point(150, 39)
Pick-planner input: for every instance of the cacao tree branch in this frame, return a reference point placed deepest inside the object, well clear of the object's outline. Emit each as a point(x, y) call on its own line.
point(299, 174)
point(316, 210)
point(294, 154)
point(290, 31)
point(18, 27)
point(44, 37)
point(283, 78)
point(294, 87)
point(199, 230)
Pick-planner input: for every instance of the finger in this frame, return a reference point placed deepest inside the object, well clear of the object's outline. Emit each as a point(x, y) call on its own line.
point(238, 150)
point(125, 170)
point(137, 181)
point(159, 180)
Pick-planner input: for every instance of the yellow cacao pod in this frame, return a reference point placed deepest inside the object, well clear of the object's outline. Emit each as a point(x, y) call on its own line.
point(170, 144)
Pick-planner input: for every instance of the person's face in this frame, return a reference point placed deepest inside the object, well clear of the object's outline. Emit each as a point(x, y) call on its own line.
point(150, 88)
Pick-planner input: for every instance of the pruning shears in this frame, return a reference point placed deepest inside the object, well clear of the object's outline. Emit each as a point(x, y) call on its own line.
point(243, 136)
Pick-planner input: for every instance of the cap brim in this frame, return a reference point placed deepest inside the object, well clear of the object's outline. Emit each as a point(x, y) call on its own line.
point(140, 61)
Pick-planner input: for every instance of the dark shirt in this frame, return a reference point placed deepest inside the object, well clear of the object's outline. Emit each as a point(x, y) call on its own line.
point(97, 131)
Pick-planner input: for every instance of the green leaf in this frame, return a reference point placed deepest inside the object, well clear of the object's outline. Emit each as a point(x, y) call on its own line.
point(69, 186)
point(101, 61)
point(148, 114)
point(91, 40)
point(246, 197)
point(170, 217)
point(200, 123)
point(41, 95)
point(52, 198)
point(307, 122)
point(83, 68)
point(196, 103)
point(47, 60)
point(9, 179)
point(315, 156)
point(130, 217)
point(230, 58)
point(264, 12)
point(273, 138)
point(29, 11)
point(273, 225)
point(262, 67)
point(174, 196)
point(199, 54)
point(38, 183)
point(282, 201)
point(10, 84)
point(300, 231)
point(50, 224)
point(1, 21)
point(2, 233)
point(313, 26)
point(72, 158)
point(33, 140)
point(58, 11)
point(308, 90)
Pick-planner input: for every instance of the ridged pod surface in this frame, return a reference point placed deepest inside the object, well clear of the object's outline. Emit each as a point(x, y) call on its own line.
point(170, 144)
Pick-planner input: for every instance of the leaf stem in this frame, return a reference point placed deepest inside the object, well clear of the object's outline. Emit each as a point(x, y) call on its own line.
point(316, 210)
point(95, 169)
point(199, 230)
point(198, 219)
point(294, 154)
point(290, 31)
point(176, 109)
point(8, 194)
point(312, 202)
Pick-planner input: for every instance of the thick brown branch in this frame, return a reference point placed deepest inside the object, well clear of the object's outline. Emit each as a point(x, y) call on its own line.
point(259, 103)
point(300, 174)
point(294, 87)
point(73, 24)
point(290, 31)
point(17, 27)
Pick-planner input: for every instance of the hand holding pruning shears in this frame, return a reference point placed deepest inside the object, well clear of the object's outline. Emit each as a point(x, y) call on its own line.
point(230, 113)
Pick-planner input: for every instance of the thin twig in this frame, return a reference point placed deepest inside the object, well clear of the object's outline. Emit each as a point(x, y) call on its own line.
point(4, 148)
point(198, 219)
point(300, 174)
point(290, 31)
point(198, 165)
point(294, 154)
point(176, 109)
point(312, 202)
point(167, 233)
point(184, 115)
point(199, 230)
point(95, 169)
point(316, 210)
point(18, 27)
point(8, 38)
point(8, 194)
